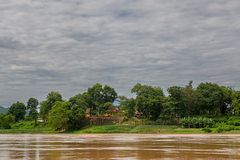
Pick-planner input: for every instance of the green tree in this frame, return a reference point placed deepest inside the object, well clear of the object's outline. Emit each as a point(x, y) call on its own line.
point(175, 102)
point(213, 100)
point(32, 107)
point(149, 100)
point(78, 100)
point(18, 110)
point(77, 117)
point(6, 120)
point(78, 106)
point(225, 107)
point(59, 116)
point(191, 100)
point(98, 95)
point(109, 94)
point(106, 107)
point(235, 104)
point(169, 111)
point(128, 106)
point(186, 101)
point(46, 106)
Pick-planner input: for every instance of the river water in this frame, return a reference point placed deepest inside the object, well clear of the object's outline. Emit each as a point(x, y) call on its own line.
point(118, 146)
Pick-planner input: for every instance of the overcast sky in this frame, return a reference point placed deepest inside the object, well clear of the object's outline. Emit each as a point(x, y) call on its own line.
point(68, 45)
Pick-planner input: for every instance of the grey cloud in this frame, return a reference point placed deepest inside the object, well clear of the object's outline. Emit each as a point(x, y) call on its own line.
point(68, 45)
point(9, 43)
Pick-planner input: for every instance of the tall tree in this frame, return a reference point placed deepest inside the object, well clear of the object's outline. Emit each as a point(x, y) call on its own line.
point(176, 100)
point(227, 100)
point(18, 110)
point(78, 105)
point(128, 106)
point(149, 100)
point(98, 95)
point(212, 97)
point(77, 117)
point(191, 100)
point(32, 107)
point(235, 102)
point(59, 116)
point(47, 105)
point(79, 101)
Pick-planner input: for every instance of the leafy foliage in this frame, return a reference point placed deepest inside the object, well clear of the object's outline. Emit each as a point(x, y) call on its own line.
point(206, 106)
point(18, 110)
point(149, 100)
point(213, 97)
point(59, 116)
point(128, 106)
point(6, 121)
point(63, 116)
point(98, 95)
point(32, 107)
point(77, 117)
point(47, 105)
point(197, 122)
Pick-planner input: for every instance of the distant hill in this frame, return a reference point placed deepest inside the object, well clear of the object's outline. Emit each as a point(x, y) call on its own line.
point(3, 109)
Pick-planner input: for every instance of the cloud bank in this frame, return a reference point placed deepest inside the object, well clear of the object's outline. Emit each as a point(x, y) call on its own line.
point(68, 45)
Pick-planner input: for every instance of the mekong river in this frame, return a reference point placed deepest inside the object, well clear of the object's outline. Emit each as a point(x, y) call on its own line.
point(119, 146)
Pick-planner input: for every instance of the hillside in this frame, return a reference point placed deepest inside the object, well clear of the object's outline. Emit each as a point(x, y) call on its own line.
point(3, 110)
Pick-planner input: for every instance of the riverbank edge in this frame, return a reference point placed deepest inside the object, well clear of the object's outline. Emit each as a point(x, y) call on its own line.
point(118, 129)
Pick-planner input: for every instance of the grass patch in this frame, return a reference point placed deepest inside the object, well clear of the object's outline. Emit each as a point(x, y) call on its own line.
point(107, 129)
point(164, 129)
point(28, 127)
point(153, 129)
point(29, 131)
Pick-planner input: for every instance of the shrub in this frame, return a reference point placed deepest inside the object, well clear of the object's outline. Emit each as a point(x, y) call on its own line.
point(207, 130)
point(6, 121)
point(59, 116)
point(221, 127)
point(220, 119)
point(23, 125)
point(148, 122)
point(196, 122)
point(167, 121)
point(233, 121)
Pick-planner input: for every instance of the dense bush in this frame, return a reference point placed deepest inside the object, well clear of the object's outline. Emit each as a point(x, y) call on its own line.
point(167, 121)
point(62, 118)
point(6, 121)
point(196, 122)
point(223, 124)
point(221, 127)
point(59, 116)
point(207, 130)
point(233, 121)
point(23, 125)
point(220, 119)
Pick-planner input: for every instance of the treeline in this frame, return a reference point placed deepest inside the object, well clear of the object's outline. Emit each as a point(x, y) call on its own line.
point(62, 114)
point(207, 99)
point(149, 102)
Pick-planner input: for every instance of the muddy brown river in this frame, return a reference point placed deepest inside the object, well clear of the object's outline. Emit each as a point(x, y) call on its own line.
point(118, 146)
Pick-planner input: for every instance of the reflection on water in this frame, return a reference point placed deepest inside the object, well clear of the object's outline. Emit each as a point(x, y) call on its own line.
point(118, 146)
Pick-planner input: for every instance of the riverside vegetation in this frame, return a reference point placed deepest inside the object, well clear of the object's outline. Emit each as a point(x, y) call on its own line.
point(207, 108)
